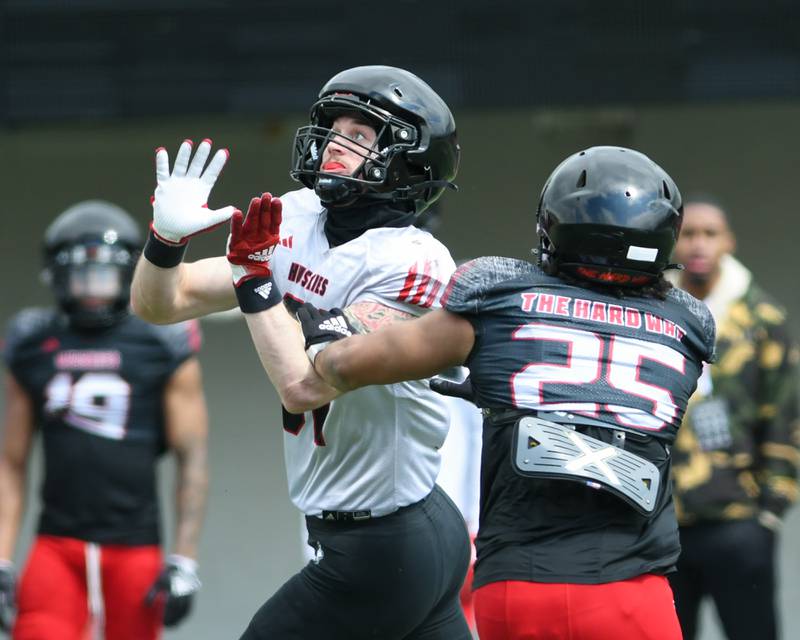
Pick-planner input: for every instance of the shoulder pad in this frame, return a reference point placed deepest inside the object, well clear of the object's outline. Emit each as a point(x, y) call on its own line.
point(473, 281)
point(26, 324)
point(700, 311)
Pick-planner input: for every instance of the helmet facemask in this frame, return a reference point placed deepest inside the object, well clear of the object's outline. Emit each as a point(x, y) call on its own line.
point(384, 174)
point(91, 282)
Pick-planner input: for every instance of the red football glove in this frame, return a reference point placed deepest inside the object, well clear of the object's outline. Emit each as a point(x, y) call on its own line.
point(253, 238)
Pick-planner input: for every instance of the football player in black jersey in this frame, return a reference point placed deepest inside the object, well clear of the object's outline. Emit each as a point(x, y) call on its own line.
point(583, 366)
point(109, 394)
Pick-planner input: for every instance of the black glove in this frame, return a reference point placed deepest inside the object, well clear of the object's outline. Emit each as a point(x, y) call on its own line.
point(176, 585)
point(320, 328)
point(447, 387)
point(8, 596)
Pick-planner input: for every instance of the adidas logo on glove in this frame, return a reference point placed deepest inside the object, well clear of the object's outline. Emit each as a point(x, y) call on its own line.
point(337, 325)
point(262, 256)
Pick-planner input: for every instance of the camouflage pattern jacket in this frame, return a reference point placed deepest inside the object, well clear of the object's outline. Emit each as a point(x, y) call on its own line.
point(738, 450)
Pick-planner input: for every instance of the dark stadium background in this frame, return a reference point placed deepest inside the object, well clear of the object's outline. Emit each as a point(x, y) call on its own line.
point(88, 89)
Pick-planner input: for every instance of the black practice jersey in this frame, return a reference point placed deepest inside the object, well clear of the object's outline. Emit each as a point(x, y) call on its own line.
point(98, 397)
point(543, 345)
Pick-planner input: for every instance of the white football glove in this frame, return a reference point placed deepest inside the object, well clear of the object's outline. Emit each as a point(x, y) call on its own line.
point(176, 587)
point(180, 203)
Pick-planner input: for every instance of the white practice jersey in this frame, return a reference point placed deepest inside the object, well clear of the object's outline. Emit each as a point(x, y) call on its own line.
point(376, 448)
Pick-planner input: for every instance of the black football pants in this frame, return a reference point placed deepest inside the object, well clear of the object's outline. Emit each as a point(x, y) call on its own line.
point(392, 578)
point(733, 562)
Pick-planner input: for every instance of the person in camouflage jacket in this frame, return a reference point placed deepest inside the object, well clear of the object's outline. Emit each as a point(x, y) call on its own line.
point(737, 452)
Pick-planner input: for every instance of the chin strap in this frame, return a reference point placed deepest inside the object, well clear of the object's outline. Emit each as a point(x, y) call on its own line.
point(342, 192)
point(336, 191)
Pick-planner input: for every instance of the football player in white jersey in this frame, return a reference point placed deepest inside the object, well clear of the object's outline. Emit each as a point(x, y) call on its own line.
point(391, 550)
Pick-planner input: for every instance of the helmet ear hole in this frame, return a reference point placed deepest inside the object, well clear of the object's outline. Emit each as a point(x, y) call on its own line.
point(666, 191)
point(581, 180)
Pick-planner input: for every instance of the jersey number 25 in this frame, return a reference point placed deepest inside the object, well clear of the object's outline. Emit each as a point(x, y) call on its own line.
point(585, 365)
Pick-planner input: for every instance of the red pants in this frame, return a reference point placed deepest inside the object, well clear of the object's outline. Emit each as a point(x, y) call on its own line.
point(55, 591)
point(640, 608)
point(467, 595)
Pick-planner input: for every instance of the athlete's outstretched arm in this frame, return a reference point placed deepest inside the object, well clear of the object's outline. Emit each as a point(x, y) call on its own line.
point(165, 290)
point(403, 351)
point(188, 290)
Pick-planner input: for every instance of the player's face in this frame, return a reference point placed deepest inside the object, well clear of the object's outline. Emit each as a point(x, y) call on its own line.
point(704, 239)
point(345, 153)
point(95, 285)
point(94, 280)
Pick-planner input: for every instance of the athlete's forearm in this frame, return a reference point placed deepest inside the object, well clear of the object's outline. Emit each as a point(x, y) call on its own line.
point(12, 500)
point(328, 363)
point(191, 494)
point(399, 351)
point(279, 343)
point(364, 317)
point(189, 290)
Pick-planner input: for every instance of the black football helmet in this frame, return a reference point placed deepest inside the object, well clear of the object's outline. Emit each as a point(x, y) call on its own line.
point(609, 215)
point(90, 251)
point(417, 151)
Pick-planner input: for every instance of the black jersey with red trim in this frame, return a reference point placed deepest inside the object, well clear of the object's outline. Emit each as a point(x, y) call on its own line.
point(98, 400)
point(544, 345)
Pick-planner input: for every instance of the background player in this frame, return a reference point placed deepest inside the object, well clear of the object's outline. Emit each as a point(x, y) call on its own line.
point(110, 394)
point(595, 342)
point(736, 456)
point(391, 549)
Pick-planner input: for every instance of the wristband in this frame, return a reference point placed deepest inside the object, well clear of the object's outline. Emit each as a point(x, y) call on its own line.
point(161, 253)
point(258, 294)
point(312, 350)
